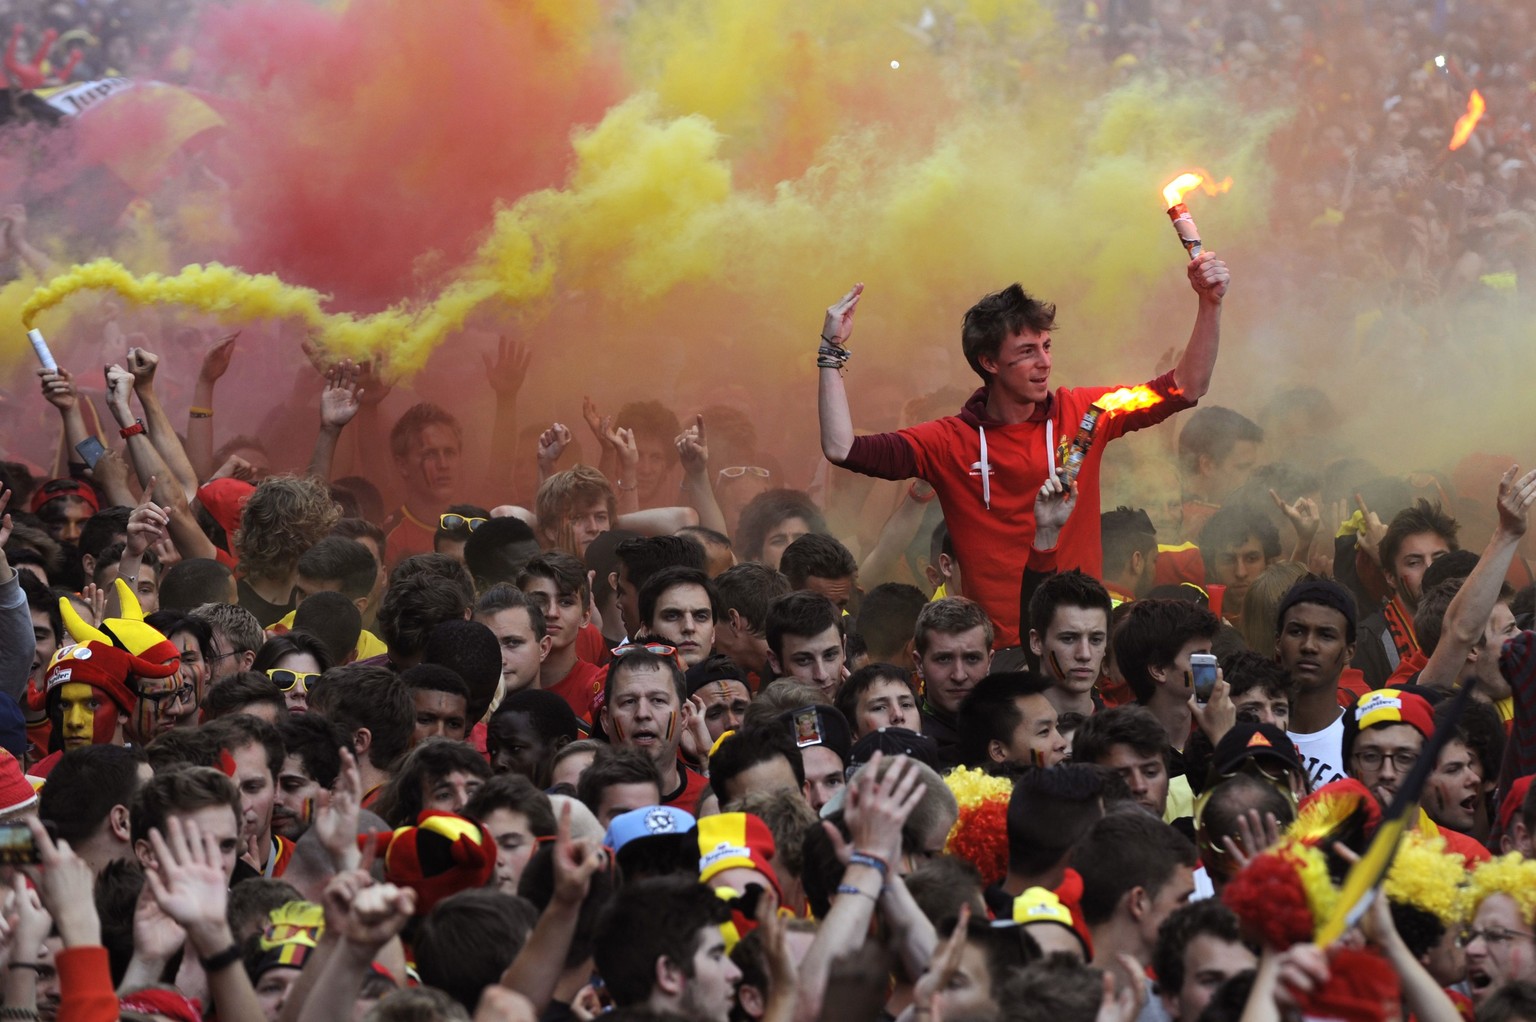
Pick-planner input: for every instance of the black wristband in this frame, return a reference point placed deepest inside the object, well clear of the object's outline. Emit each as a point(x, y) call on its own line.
point(223, 960)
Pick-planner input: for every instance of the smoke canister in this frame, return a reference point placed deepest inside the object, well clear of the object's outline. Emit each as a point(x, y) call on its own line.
point(41, 347)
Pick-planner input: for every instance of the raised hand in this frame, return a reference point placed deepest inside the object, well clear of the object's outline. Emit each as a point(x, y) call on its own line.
point(142, 364)
point(342, 396)
point(1515, 499)
point(58, 388)
point(119, 389)
point(371, 388)
point(942, 967)
point(147, 525)
point(6, 525)
point(1256, 833)
point(838, 326)
point(696, 741)
point(575, 860)
point(95, 597)
point(30, 923)
point(65, 884)
point(1370, 537)
point(877, 808)
point(1216, 715)
point(189, 884)
point(693, 448)
point(623, 443)
point(336, 817)
point(216, 362)
point(156, 936)
point(1054, 504)
point(1122, 1001)
point(376, 915)
point(509, 369)
point(110, 473)
point(552, 443)
point(1209, 277)
point(594, 419)
point(1303, 516)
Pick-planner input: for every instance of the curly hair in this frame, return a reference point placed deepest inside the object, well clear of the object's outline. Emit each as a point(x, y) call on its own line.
point(284, 518)
point(1511, 875)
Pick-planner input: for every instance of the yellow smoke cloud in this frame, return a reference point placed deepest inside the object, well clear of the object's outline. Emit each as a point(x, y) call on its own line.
point(946, 187)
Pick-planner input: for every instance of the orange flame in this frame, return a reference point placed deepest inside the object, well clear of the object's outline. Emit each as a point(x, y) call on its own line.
point(1467, 123)
point(1175, 190)
point(1129, 399)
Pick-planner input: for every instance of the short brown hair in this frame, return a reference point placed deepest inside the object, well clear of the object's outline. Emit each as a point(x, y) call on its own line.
point(951, 616)
point(997, 317)
point(180, 791)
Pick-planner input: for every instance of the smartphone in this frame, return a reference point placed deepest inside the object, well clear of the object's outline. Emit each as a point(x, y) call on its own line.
point(90, 450)
point(1202, 668)
point(17, 848)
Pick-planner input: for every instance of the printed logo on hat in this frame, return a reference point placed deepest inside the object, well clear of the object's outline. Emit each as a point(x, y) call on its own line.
point(660, 821)
point(81, 652)
point(62, 674)
point(721, 853)
point(1257, 738)
point(1378, 702)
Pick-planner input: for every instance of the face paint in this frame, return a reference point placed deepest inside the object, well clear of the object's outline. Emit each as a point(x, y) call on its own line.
point(86, 716)
point(671, 726)
point(1056, 667)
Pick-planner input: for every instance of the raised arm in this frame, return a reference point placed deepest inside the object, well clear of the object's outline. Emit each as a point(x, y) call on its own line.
point(142, 364)
point(693, 451)
point(831, 395)
point(339, 402)
point(1209, 277)
point(506, 374)
point(200, 420)
point(1467, 616)
point(59, 391)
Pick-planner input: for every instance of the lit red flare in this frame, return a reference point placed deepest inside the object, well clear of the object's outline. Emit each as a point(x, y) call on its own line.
point(1175, 190)
point(1467, 122)
point(1129, 399)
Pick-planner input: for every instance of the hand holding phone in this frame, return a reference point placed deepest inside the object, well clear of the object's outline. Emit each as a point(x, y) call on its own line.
point(1202, 669)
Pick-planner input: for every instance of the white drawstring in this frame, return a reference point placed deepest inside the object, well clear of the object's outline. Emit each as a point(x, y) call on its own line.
point(1050, 448)
point(984, 470)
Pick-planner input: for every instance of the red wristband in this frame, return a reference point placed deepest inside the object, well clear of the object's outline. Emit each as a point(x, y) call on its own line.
point(134, 430)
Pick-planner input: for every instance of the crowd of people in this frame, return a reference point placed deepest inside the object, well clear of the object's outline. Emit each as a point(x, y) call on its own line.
point(999, 715)
point(1067, 734)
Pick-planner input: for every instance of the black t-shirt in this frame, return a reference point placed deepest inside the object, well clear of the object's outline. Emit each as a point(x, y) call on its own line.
point(267, 614)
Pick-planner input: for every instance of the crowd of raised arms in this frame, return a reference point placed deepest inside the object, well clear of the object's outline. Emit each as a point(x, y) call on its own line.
point(995, 716)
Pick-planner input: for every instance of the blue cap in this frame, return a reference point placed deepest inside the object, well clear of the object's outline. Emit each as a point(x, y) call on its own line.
point(650, 821)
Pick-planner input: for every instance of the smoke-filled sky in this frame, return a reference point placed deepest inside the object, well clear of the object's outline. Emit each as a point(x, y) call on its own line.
point(661, 197)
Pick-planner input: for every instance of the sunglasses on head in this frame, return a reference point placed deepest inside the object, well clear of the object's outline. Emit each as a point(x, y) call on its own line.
point(285, 680)
point(659, 648)
point(737, 471)
point(453, 523)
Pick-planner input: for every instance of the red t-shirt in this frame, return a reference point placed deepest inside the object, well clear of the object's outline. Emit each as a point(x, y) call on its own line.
point(406, 539)
point(992, 536)
point(687, 797)
point(580, 686)
point(591, 646)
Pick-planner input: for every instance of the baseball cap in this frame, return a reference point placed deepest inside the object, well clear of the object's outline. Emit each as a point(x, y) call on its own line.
point(1394, 706)
point(648, 821)
point(894, 741)
point(1042, 905)
point(1245, 742)
point(735, 841)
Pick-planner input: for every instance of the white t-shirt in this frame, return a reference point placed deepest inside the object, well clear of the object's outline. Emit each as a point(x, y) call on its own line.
point(1322, 752)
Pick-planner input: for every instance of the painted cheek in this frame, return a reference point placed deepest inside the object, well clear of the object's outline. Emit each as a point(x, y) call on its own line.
point(104, 726)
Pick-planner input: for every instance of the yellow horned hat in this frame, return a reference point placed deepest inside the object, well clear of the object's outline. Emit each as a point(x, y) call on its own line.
point(128, 632)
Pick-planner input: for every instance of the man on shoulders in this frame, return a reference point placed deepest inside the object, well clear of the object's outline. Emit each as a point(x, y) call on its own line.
point(988, 461)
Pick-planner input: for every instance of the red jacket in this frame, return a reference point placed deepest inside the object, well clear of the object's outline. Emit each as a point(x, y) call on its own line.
point(992, 532)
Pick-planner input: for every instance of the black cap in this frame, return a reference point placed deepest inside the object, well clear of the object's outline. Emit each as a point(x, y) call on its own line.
point(714, 668)
point(894, 741)
point(814, 724)
point(1245, 741)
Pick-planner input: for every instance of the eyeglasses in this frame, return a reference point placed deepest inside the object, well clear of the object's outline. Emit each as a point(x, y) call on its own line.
point(285, 680)
point(182, 693)
point(453, 523)
point(1492, 936)
point(1373, 758)
point(737, 471)
point(224, 656)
